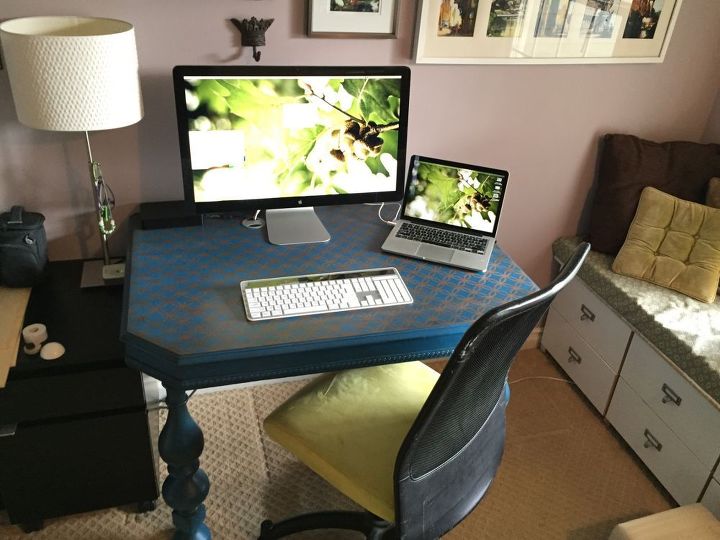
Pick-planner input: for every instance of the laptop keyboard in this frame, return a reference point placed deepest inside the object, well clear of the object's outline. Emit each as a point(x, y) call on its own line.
point(441, 237)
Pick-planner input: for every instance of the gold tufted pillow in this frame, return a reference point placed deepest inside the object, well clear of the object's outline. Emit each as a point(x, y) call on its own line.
point(673, 243)
point(712, 198)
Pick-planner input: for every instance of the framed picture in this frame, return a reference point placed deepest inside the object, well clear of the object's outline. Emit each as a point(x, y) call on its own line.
point(544, 31)
point(352, 18)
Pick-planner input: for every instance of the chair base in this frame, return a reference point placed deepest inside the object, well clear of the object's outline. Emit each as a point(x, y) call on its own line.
point(373, 527)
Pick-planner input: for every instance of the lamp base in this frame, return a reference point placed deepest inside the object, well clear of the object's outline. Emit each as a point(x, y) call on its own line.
point(98, 274)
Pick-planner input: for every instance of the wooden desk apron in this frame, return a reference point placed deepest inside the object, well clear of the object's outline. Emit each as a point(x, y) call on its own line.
point(184, 320)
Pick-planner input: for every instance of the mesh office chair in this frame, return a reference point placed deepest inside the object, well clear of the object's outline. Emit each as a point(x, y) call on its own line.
point(416, 449)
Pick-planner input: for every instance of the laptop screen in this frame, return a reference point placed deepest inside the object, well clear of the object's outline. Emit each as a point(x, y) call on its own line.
point(455, 194)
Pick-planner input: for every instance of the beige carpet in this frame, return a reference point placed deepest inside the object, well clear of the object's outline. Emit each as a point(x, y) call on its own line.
point(565, 475)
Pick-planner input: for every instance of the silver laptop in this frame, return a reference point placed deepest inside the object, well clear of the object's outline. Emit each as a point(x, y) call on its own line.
point(449, 214)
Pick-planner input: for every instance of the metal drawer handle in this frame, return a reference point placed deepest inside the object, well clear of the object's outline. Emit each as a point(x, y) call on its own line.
point(574, 357)
point(587, 315)
point(651, 441)
point(670, 395)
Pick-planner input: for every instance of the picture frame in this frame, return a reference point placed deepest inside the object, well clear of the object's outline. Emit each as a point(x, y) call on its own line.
point(543, 31)
point(352, 18)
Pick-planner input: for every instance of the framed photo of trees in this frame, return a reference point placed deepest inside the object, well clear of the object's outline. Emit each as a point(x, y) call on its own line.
point(544, 31)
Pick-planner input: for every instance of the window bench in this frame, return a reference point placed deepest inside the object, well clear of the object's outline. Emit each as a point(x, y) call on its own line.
point(648, 359)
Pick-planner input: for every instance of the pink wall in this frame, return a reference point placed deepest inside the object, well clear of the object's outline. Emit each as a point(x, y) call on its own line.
point(712, 129)
point(542, 123)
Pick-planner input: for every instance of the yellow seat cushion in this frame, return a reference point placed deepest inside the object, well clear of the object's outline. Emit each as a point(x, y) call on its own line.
point(348, 427)
point(673, 243)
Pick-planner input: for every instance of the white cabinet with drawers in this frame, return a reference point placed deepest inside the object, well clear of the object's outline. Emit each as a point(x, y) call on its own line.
point(672, 425)
point(691, 415)
point(587, 340)
point(669, 422)
point(594, 321)
point(669, 459)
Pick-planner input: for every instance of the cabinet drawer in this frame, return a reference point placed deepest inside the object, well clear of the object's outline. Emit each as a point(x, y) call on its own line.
point(674, 465)
point(597, 323)
point(711, 498)
point(691, 415)
point(43, 398)
point(60, 468)
point(594, 378)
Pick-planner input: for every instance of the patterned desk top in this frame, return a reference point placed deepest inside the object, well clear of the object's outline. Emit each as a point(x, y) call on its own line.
point(183, 306)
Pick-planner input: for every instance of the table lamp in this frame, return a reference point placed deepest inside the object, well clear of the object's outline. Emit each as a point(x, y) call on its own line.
point(76, 74)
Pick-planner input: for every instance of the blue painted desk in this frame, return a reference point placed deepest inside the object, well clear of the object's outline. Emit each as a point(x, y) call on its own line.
point(184, 321)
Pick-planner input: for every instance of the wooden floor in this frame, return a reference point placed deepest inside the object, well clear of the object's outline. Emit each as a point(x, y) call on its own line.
point(565, 473)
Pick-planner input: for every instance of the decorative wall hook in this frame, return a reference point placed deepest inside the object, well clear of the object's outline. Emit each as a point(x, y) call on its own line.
point(252, 33)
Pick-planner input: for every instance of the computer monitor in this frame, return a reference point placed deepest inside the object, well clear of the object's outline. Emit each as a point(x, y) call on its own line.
point(285, 139)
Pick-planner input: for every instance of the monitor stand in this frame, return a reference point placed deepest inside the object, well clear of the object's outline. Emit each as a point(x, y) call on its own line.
point(287, 226)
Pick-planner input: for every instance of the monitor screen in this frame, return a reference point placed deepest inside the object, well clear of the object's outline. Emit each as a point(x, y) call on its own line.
point(458, 194)
point(278, 137)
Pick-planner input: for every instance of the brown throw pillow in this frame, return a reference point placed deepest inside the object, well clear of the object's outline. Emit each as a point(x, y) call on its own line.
point(674, 244)
point(712, 198)
point(627, 164)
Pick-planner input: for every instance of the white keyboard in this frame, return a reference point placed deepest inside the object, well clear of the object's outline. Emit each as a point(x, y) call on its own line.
point(323, 293)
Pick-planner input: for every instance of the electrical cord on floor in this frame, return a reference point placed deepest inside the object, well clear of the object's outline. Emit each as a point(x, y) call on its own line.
point(559, 379)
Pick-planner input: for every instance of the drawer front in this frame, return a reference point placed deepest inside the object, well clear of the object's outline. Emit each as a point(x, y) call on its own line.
point(674, 465)
point(594, 378)
point(711, 498)
point(691, 415)
point(60, 468)
point(597, 323)
point(42, 398)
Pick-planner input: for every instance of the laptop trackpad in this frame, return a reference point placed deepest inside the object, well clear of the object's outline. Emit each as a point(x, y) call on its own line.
point(435, 253)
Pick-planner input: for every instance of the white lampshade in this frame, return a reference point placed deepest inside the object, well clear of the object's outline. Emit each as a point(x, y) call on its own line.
point(72, 73)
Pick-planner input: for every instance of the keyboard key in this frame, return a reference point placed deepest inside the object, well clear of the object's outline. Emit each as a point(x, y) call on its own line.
point(304, 309)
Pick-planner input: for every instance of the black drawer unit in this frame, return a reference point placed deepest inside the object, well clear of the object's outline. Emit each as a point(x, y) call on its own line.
point(75, 435)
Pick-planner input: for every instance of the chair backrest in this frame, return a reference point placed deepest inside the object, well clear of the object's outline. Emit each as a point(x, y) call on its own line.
point(454, 447)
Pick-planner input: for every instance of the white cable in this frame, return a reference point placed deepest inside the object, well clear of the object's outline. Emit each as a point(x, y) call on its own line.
point(389, 222)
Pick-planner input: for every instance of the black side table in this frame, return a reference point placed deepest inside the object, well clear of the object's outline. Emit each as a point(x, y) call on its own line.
point(74, 432)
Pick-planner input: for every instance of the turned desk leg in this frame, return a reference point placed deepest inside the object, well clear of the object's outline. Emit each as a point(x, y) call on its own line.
point(181, 443)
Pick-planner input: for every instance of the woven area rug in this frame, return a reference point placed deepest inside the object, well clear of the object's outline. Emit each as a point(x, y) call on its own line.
point(565, 474)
